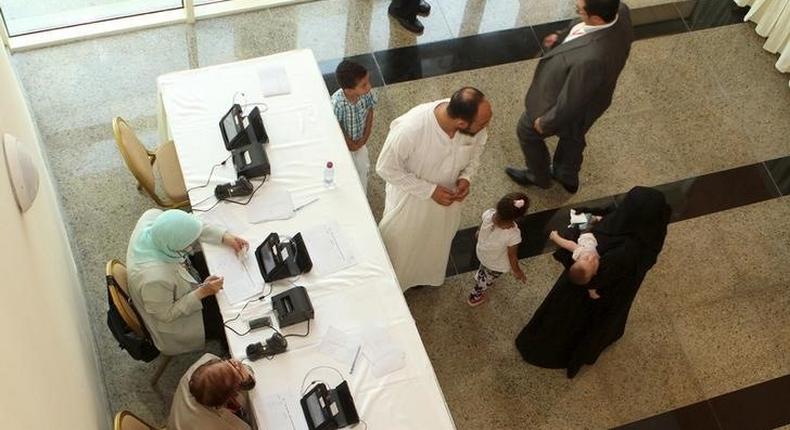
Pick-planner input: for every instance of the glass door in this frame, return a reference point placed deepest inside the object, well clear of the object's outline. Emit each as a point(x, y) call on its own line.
point(32, 16)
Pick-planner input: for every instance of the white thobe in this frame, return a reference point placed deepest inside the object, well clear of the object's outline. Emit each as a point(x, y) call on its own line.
point(417, 156)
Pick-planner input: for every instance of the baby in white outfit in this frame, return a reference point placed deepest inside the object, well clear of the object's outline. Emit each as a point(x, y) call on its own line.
point(585, 257)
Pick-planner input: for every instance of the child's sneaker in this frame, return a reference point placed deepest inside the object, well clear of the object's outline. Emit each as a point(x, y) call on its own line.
point(476, 299)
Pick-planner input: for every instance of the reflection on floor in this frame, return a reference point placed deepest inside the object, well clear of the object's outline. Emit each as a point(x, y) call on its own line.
point(710, 317)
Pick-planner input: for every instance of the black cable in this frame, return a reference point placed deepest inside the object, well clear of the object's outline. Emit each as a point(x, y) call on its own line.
point(302, 387)
point(300, 335)
point(237, 333)
point(233, 201)
point(225, 323)
point(208, 181)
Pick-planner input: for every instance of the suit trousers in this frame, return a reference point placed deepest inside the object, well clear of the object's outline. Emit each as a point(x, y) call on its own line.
point(567, 158)
point(404, 8)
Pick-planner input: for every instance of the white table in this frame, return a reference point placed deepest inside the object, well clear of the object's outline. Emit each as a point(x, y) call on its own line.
point(304, 135)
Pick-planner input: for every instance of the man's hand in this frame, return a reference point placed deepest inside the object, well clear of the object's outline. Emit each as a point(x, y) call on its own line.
point(461, 189)
point(443, 196)
point(537, 126)
point(238, 244)
point(550, 40)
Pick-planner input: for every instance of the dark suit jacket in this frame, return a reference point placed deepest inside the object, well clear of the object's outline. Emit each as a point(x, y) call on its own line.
point(574, 82)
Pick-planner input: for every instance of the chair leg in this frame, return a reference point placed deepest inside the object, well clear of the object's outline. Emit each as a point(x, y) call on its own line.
point(165, 360)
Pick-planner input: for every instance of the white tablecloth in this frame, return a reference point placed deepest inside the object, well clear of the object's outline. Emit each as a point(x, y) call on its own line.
point(304, 135)
point(773, 22)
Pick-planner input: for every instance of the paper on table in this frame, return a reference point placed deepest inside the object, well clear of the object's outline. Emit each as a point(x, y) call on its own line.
point(271, 202)
point(222, 217)
point(275, 413)
point(339, 345)
point(242, 278)
point(329, 248)
point(274, 80)
point(381, 352)
point(578, 218)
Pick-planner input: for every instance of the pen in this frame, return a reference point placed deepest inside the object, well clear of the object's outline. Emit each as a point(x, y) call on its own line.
point(305, 204)
point(354, 363)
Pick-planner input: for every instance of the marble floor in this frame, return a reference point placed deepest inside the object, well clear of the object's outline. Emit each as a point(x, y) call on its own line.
point(711, 317)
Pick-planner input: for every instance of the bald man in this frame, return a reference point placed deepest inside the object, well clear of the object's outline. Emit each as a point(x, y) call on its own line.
point(428, 161)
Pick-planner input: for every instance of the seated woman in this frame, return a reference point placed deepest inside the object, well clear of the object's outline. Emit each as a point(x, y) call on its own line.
point(164, 286)
point(212, 395)
point(570, 328)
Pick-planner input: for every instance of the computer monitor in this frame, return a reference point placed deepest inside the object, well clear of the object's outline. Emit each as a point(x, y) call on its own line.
point(231, 125)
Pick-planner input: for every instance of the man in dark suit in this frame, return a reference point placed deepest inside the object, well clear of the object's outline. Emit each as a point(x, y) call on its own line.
point(406, 11)
point(572, 87)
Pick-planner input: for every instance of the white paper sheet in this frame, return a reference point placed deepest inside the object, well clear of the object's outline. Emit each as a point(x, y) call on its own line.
point(329, 248)
point(280, 412)
point(224, 218)
point(382, 353)
point(274, 80)
point(242, 277)
point(271, 202)
point(339, 345)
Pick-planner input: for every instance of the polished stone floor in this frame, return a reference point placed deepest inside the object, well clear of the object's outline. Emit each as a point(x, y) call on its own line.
point(711, 316)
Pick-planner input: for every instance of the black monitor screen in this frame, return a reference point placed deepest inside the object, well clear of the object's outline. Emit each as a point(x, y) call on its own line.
point(229, 124)
point(315, 405)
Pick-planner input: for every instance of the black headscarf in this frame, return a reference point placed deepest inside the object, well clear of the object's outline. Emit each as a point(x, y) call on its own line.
point(643, 215)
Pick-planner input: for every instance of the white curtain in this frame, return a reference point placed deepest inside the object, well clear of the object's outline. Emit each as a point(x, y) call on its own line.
point(773, 22)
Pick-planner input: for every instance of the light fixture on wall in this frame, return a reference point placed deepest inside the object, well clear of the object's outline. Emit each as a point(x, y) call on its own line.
point(22, 172)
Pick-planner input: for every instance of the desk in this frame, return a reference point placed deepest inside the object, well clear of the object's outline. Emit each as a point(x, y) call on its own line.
point(304, 135)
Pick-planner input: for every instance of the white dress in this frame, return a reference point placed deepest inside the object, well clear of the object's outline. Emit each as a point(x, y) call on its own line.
point(493, 243)
point(417, 156)
point(587, 244)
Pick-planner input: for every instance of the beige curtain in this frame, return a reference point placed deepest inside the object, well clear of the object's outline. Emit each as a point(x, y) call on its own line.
point(773, 22)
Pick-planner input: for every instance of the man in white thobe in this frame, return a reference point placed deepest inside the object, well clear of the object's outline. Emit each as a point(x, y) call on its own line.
point(428, 161)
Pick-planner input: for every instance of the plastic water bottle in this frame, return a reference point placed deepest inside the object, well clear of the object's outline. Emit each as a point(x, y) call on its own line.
point(329, 175)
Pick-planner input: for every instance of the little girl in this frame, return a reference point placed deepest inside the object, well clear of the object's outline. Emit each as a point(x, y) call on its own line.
point(497, 244)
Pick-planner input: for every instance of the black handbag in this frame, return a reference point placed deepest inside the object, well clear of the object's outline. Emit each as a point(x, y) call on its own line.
point(139, 347)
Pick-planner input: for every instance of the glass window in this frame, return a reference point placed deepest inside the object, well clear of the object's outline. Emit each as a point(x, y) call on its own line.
point(29, 16)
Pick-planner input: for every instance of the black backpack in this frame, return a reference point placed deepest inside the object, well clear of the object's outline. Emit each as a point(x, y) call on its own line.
point(139, 347)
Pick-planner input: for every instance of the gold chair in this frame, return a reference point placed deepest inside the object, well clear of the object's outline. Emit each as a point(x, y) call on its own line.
point(145, 164)
point(115, 272)
point(126, 420)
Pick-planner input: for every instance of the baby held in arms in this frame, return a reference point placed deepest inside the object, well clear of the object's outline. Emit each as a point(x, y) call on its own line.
point(585, 258)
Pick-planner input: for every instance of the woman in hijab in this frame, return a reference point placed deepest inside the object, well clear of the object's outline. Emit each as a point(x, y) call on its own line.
point(165, 287)
point(571, 329)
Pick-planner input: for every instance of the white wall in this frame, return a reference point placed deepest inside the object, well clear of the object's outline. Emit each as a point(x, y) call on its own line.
point(48, 367)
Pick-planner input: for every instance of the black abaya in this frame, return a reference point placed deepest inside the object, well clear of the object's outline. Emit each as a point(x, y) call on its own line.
point(569, 329)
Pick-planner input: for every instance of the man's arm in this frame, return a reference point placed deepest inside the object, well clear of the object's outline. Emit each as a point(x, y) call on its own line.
point(562, 242)
point(580, 85)
point(368, 127)
point(392, 166)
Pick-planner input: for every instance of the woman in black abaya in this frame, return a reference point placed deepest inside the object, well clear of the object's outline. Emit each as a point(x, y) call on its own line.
point(570, 329)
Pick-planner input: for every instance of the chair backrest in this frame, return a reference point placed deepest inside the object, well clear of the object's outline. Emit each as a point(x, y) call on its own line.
point(115, 272)
point(126, 420)
point(135, 155)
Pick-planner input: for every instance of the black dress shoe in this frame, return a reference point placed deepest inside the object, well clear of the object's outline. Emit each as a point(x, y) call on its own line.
point(569, 188)
point(424, 9)
point(524, 177)
point(412, 24)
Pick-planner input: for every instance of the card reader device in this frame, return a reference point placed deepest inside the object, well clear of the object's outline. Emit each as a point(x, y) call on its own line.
point(326, 409)
point(279, 260)
point(244, 140)
point(292, 306)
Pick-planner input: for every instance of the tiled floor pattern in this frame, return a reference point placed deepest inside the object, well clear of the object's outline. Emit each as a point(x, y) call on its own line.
point(675, 116)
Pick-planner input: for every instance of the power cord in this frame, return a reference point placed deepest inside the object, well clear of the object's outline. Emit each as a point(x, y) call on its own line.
point(300, 335)
point(304, 389)
point(231, 200)
point(211, 173)
point(225, 323)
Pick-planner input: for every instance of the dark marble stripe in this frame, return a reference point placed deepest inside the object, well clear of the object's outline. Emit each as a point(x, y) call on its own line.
point(760, 406)
point(523, 43)
point(455, 55)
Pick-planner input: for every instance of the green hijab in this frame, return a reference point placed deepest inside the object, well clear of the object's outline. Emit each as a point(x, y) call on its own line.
point(166, 237)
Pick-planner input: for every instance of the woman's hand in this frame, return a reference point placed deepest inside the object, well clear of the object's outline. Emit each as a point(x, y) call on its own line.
point(238, 244)
point(211, 286)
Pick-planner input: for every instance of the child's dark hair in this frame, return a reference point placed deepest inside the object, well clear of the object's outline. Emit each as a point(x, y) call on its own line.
point(512, 206)
point(349, 73)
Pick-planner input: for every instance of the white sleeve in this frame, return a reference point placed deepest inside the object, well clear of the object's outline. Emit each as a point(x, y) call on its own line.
point(474, 162)
point(393, 161)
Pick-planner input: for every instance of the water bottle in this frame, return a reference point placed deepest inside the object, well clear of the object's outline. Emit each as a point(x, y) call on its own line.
point(329, 175)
